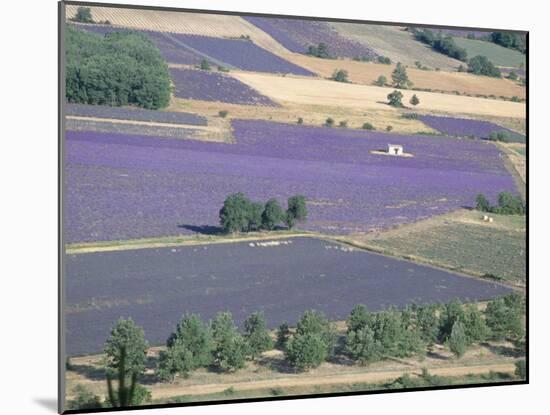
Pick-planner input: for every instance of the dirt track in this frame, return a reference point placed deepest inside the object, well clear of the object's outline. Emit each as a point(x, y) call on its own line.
point(168, 391)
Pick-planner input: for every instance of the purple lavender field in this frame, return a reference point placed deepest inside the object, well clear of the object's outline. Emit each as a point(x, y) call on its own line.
point(128, 186)
point(242, 54)
point(214, 86)
point(463, 127)
point(297, 35)
point(156, 286)
point(135, 114)
point(192, 49)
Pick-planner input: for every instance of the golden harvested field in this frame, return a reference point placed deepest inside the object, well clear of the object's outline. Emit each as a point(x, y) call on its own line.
point(181, 22)
point(366, 73)
point(312, 114)
point(364, 97)
point(395, 43)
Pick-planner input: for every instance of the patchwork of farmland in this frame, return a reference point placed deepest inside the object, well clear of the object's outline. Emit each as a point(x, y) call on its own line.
point(215, 86)
point(192, 49)
point(221, 26)
point(462, 127)
point(129, 186)
point(395, 43)
point(156, 286)
point(450, 82)
point(297, 35)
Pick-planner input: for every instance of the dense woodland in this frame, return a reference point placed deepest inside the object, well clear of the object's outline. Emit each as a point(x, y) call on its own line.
point(119, 69)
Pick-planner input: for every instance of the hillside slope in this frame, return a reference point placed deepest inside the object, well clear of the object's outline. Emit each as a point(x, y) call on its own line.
point(395, 43)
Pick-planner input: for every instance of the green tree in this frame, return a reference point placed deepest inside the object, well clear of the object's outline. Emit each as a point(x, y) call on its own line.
point(255, 216)
point(316, 323)
point(451, 313)
point(458, 340)
point(475, 328)
point(230, 348)
point(188, 348)
point(84, 399)
point(381, 81)
point(305, 351)
point(235, 213)
point(359, 318)
point(340, 75)
point(394, 99)
point(297, 207)
point(126, 338)
point(510, 204)
point(126, 394)
point(283, 334)
point(256, 335)
point(504, 317)
point(513, 76)
point(521, 369)
point(482, 204)
point(481, 65)
point(399, 76)
point(83, 15)
point(428, 322)
point(329, 122)
point(319, 51)
point(414, 100)
point(123, 68)
point(272, 214)
point(368, 126)
point(362, 345)
point(205, 65)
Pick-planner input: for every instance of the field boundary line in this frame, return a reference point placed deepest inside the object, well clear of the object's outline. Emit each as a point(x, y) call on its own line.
point(312, 380)
point(138, 122)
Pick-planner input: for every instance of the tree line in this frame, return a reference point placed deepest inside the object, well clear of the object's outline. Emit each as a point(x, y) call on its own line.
point(507, 204)
point(120, 68)
point(240, 214)
point(478, 65)
point(220, 346)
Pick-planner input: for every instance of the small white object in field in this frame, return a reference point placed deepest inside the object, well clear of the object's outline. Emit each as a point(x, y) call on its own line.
point(490, 219)
point(485, 218)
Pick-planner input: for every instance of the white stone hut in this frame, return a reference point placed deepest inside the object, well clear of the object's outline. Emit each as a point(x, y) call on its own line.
point(395, 149)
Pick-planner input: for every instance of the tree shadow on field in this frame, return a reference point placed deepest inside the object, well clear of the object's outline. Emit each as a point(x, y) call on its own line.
point(277, 364)
point(89, 372)
point(202, 229)
point(503, 350)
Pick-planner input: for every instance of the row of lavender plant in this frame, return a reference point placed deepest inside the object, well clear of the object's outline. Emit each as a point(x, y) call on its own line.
point(297, 35)
point(215, 86)
point(134, 114)
point(464, 127)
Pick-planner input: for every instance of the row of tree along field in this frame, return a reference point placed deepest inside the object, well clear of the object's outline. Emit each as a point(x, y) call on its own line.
point(370, 337)
point(507, 204)
point(240, 214)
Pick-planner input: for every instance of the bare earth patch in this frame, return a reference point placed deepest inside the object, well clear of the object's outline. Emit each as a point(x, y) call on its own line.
point(325, 92)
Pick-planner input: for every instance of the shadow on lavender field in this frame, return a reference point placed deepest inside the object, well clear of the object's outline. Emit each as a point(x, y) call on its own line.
point(203, 229)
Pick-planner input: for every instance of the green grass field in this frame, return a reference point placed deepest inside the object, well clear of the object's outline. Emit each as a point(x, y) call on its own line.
point(463, 242)
point(397, 44)
point(499, 55)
